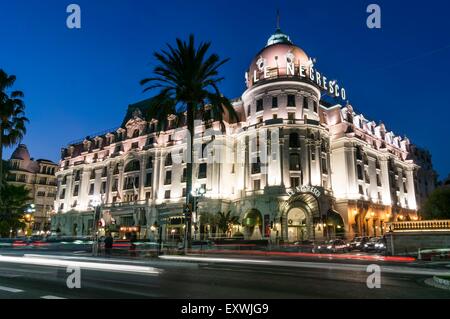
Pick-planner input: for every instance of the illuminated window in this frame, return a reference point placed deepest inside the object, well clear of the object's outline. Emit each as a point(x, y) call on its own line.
point(295, 182)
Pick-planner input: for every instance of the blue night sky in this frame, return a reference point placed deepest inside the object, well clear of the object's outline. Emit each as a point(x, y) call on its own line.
point(78, 82)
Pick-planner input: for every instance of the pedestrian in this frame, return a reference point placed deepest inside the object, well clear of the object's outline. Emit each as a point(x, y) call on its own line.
point(109, 241)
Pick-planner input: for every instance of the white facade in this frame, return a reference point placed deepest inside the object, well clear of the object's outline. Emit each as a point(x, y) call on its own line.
point(294, 167)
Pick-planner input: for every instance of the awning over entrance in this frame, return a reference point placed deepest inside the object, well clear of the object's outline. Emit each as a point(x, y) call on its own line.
point(308, 200)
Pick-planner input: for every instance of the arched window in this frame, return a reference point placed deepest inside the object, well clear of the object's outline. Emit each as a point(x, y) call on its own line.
point(294, 140)
point(132, 166)
point(136, 133)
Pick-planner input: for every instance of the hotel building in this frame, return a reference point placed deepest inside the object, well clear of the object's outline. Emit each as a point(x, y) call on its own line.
point(294, 167)
point(38, 176)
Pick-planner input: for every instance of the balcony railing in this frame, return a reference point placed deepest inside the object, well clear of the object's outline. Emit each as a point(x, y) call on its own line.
point(423, 225)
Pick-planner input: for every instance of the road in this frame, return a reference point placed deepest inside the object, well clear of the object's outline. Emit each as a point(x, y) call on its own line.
point(37, 275)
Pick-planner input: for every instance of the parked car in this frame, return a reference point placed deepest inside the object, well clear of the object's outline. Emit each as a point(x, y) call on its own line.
point(380, 246)
point(370, 245)
point(332, 246)
point(358, 243)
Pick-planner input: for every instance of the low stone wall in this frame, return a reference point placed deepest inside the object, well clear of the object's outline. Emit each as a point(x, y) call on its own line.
point(409, 243)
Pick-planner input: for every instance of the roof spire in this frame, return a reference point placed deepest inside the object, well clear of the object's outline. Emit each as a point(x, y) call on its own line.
point(278, 19)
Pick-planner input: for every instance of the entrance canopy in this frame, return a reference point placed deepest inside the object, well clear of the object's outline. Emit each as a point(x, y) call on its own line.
point(308, 202)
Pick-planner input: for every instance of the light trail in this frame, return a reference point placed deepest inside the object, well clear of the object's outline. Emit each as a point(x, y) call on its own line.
point(99, 266)
point(314, 265)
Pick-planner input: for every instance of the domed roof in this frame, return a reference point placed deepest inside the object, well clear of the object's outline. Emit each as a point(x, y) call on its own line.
point(279, 37)
point(21, 153)
point(272, 61)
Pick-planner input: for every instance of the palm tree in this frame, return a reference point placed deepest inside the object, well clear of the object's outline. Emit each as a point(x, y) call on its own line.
point(226, 221)
point(13, 202)
point(12, 116)
point(187, 79)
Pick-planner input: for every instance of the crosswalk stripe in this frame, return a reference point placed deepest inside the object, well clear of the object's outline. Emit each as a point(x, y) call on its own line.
point(14, 290)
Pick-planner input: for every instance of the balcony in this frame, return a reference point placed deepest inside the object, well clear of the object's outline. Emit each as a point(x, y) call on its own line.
point(423, 225)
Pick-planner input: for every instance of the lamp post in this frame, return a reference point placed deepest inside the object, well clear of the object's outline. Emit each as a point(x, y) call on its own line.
point(29, 212)
point(96, 205)
point(196, 194)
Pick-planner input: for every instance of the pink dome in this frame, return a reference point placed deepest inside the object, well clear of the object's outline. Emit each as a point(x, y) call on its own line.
point(274, 59)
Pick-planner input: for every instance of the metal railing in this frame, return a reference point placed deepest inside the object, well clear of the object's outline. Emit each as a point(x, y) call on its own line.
point(423, 225)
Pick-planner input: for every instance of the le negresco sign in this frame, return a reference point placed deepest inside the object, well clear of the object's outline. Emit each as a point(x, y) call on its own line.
point(291, 67)
point(305, 189)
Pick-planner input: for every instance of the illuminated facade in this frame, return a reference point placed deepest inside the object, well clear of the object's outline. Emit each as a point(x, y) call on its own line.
point(38, 176)
point(294, 167)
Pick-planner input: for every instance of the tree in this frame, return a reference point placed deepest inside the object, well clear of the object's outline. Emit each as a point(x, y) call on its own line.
point(12, 116)
point(226, 221)
point(13, 202)
point(437, 206)
point(187, 79)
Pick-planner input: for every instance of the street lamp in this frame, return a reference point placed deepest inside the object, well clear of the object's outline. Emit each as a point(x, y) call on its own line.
point(196, 193)
point(96, 205)
point(29, 211)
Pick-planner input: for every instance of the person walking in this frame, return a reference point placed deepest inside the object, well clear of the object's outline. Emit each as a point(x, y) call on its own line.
point(109, 241)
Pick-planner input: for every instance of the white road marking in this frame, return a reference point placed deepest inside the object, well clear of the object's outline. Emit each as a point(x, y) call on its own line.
point(52, 297)
point(8, 289)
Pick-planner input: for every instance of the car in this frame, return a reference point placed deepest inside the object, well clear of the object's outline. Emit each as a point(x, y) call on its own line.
point(380, 246)
point(358, 243)
point(332, 246)
point(305, 246)
point(370, 245)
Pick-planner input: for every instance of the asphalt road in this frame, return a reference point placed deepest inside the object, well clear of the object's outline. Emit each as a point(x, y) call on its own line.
point(200, 277)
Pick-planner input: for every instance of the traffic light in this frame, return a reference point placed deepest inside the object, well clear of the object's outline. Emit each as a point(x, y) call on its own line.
point(195, 205)
point(188, 210)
